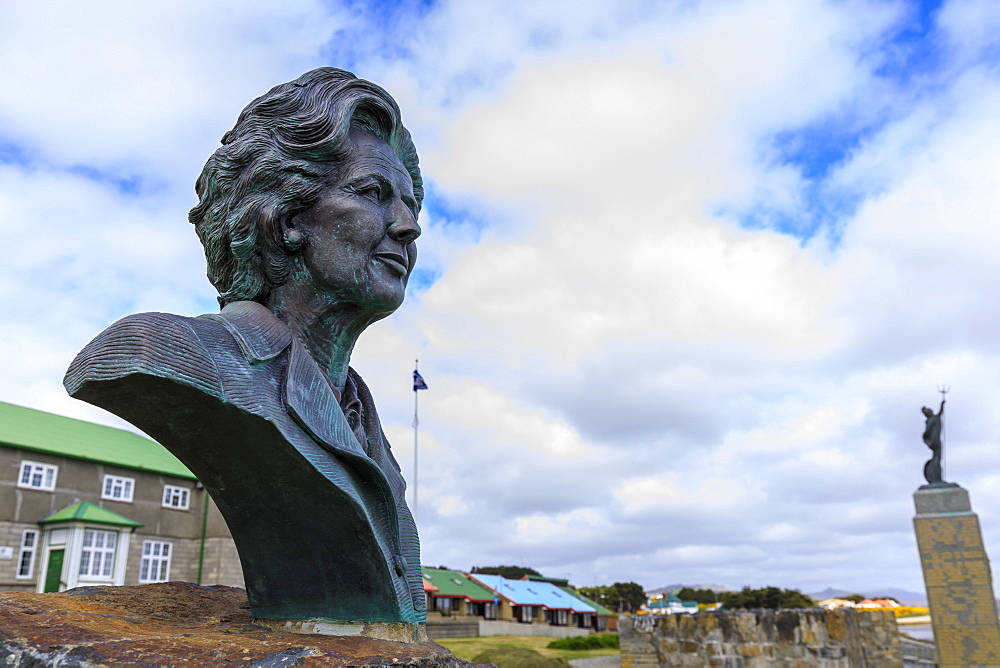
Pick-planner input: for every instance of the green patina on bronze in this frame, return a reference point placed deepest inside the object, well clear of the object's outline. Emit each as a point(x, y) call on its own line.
point(308, 216)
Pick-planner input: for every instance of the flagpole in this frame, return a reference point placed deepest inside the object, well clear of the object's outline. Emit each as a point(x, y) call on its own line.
point(416, 423)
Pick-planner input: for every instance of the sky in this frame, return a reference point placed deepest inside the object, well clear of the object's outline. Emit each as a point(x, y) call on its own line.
point(689, 270)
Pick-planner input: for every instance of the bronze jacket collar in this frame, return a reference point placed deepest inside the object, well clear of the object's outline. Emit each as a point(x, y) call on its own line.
point(308, 396)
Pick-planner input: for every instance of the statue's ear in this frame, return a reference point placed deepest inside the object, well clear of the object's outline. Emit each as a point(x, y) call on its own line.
point(291, 236)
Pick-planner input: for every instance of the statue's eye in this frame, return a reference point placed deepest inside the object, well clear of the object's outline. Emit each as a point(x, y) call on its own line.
point(372, 192)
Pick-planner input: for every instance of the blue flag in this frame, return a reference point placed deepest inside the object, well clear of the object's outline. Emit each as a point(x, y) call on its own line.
point(418, 381)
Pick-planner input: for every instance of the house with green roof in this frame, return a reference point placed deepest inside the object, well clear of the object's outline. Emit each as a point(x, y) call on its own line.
point(672, 605)
point(601, 620)
point(453, 594)
point(84, 504)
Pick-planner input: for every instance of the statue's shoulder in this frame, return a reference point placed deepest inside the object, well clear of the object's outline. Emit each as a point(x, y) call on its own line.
point(157, 344)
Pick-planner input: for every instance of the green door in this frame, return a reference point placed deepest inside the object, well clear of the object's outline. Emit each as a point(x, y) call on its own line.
point(54, 573)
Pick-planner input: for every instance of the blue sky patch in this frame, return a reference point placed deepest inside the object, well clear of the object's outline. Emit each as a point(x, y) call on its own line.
point(422, 279)
point(379, 29)
point(12, 153)
point(915, 48)
point(448, 213)
point(128, 185)
point(905, 64)
point(824, 210)
point(815, 149)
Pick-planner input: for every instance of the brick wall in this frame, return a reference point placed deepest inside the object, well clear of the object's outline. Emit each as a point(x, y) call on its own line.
point(762, 639)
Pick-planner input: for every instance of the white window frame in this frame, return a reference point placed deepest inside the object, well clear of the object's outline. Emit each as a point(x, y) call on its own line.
point(156, 555)
point(118, 488)
point(44, 474)
point(29, 548)
point(96, 554)
point(173, 493)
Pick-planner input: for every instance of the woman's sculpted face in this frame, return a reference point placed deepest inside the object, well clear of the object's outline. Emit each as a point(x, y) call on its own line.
point(358, 237)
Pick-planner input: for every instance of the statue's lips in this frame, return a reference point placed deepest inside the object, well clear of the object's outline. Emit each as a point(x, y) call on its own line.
point(394, 261)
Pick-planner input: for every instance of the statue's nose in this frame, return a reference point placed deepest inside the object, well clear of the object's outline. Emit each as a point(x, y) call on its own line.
point(404, 228)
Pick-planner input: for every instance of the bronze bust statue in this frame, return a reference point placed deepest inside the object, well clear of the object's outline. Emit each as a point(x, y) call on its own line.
point(308, 216)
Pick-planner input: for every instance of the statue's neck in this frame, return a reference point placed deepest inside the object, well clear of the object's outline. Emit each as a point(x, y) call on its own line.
point(328, 332)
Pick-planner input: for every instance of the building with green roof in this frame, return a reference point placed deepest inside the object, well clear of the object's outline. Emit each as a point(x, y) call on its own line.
point(85, 512)
point(671, 604)
point(86, 504)
point(38, 431)
point(602, 620)
point(457, 595)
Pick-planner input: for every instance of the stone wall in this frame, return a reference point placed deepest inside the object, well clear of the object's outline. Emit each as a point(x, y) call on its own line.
point(222, 563)
point(468, 629)
point(799, 638)
point(489, 627)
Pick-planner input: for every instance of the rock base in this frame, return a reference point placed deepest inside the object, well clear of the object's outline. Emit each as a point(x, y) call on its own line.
point(177, 623)
point(394, 631)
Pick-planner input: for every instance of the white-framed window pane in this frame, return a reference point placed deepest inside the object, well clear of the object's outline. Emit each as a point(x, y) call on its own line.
point(117, 488)
point(26, 559)
point(175, 497)
point(38, 476)
point(97, 557)
point(155, 566)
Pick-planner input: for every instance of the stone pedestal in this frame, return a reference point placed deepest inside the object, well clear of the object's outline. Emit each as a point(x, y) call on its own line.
point(957, 575)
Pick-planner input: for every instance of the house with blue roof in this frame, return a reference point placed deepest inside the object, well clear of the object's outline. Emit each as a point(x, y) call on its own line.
point(84, 504)
point(601, 620)
point(537, 602)
point(453, 594)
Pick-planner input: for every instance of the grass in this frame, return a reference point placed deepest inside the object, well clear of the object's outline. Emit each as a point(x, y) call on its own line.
point(468, 648)
point(593, 641)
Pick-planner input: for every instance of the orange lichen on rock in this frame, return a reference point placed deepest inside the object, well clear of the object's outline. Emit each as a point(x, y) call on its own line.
point(177, 623)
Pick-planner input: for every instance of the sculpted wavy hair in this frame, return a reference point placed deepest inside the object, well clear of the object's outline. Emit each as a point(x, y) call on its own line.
point(274, 164)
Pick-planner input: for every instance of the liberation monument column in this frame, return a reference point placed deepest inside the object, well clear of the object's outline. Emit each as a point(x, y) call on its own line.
point(954, 562)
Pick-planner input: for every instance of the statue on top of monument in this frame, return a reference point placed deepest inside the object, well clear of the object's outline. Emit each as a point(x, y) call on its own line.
point(308, 217)
point(932, 438)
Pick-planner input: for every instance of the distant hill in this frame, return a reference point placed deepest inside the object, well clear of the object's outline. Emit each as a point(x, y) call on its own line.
point(674, 587)
point(902, 595)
